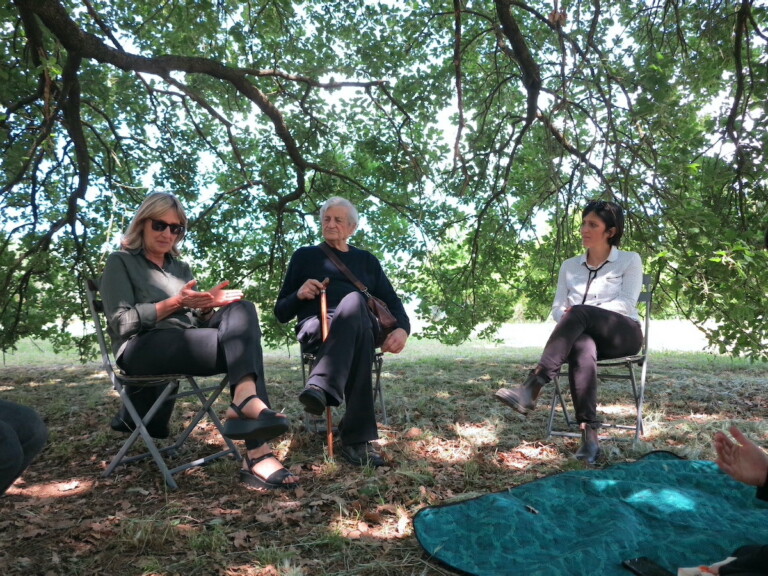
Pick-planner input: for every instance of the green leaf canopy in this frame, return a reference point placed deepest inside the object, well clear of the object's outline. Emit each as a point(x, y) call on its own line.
point(469, 134)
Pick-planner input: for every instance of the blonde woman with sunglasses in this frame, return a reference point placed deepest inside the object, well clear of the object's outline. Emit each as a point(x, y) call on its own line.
point(161, 323)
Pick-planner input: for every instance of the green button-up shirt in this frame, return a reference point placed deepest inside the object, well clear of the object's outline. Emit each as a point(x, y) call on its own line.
point(131, 286)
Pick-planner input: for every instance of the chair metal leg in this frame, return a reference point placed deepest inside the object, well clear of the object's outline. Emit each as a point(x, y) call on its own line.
point(206, 408)
point(207, 396)
point(311, 421)
point(557, 396)
point(141, 430)
point(551, 419)
point(638, 392)
point(641, 401)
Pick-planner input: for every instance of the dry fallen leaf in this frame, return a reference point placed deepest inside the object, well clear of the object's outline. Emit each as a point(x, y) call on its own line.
point(67, 486)
point(240, 539)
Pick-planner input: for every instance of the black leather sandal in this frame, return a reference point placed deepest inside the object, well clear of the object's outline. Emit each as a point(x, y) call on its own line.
point(274, 481)
point(268, 425)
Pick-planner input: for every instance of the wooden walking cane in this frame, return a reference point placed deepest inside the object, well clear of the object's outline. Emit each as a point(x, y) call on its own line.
point(324, 331)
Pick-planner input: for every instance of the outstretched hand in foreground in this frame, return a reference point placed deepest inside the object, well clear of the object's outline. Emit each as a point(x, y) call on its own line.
point(743, 460)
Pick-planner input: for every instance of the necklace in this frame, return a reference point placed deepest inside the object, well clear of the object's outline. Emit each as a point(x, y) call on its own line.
point(591, 275)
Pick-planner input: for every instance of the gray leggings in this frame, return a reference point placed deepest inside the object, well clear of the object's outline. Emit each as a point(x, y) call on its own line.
point(22, 436)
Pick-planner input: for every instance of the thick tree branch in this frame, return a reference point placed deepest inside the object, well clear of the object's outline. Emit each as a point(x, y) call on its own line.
point(740, 29)
point(457, 156)
point(53, 15)
point(528, 66)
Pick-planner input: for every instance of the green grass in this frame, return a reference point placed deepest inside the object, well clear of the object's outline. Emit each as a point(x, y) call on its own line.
point(431, 353)
point(38, 353)
point(447, 438)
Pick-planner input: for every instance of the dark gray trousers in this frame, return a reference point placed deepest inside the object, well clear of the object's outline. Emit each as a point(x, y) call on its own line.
point(343, 365)
point(229, 343)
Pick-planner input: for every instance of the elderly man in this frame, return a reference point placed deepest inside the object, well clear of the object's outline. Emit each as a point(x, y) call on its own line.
point(342, 371)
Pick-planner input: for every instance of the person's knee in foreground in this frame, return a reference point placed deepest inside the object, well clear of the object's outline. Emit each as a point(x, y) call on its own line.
point(22, 436)
point(595, 307)
point(746, 462)
point(344, 356)
point(159, 323)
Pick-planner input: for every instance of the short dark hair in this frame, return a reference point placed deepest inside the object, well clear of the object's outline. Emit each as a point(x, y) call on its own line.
point(611, 214)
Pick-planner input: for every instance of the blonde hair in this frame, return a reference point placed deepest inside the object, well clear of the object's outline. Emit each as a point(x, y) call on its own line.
point(154, 206)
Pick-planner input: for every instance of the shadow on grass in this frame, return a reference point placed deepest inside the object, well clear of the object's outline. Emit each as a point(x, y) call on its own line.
point(446, 439)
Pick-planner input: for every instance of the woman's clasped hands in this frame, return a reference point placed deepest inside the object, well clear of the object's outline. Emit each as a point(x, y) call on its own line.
point(215, 297)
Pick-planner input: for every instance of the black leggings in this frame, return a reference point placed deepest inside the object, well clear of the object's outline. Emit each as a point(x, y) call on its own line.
point(231, 343)
point(584, 335)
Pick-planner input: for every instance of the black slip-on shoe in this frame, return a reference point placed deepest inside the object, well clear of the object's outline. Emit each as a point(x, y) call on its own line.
point(313, 399)
point(362, 454)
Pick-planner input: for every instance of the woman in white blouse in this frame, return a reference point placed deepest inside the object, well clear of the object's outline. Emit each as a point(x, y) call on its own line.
point(596, 312)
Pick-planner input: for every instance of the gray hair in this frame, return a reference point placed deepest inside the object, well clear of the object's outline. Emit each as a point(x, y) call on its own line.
point(154, 206)
point(344, 203)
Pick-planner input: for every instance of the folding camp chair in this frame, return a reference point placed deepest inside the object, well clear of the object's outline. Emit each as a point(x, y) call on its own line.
point(612, 369)
point(173, 386)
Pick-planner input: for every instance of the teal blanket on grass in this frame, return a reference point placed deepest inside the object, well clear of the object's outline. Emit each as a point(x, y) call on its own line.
point(677, 512)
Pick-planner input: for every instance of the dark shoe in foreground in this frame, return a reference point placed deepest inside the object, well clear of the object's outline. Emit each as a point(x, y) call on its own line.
point(142, 398)
point(123, 423)
point(274, 481)
point(590, 445)
point(522, 399)
point(313, 400)
point(362, 454)
point(268, 425)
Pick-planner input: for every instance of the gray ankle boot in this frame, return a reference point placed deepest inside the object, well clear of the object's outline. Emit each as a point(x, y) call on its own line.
point(523, 399)
point(590, 444)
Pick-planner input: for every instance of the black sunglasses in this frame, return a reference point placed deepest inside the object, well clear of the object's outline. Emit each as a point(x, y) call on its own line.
point(160, 226)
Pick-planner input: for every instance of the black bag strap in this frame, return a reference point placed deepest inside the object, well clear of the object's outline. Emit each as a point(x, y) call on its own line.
point(346, 271)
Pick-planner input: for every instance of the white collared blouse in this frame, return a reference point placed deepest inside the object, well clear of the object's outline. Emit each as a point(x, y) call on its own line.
point(614, 286)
